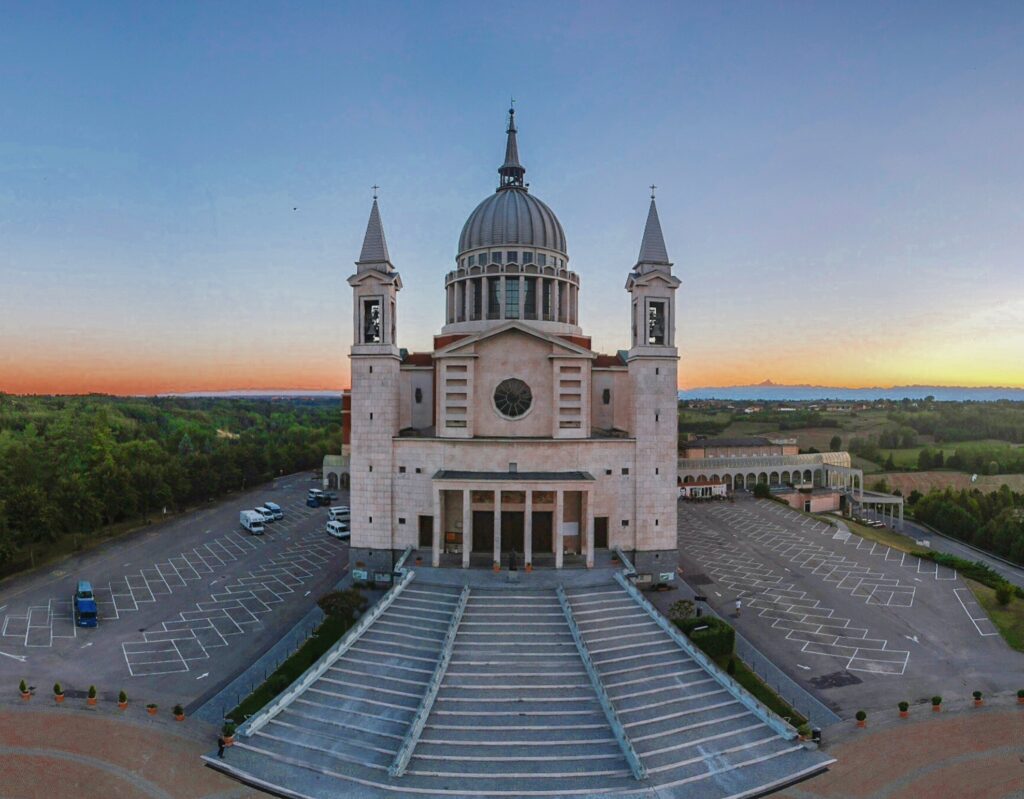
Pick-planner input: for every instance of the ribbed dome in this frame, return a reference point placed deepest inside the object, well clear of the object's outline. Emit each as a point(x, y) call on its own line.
point(512, 216)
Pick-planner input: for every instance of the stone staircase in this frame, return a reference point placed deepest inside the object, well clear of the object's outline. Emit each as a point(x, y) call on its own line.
point(682, 719)
point(500, 702)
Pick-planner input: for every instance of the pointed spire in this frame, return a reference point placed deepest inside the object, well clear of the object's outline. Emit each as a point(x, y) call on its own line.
point(375, 247)
point(511, 171)
point(652, 247)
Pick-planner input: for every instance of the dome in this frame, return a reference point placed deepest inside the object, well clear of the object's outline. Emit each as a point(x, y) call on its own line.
point(512, 216)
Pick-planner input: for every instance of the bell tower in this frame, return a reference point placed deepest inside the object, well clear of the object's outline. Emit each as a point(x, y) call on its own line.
point(652, 363)
point(375, 361)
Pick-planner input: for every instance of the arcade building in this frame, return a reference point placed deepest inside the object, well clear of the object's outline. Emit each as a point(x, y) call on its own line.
point(513, 434)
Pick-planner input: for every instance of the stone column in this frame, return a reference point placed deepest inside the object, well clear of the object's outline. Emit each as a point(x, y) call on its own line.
point(522, 296)
point(559, 514)
point(467, 526)
point(497, 526)
point(588, 498)
point(436, 558)
point(528, 528)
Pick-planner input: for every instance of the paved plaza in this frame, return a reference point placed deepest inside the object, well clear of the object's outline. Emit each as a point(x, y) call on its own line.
point(183, 605)
point(857, 622)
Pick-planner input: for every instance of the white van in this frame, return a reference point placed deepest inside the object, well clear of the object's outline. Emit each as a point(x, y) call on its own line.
point(251, 521)
point(338, 530)
point(274, 508)
point(266, 513)
point(339, 513)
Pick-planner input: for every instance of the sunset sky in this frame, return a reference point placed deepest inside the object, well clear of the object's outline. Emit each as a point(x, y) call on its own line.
point(184, 186)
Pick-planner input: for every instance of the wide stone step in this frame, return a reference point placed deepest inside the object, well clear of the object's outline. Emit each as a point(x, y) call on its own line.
point(373, 671)
point(497, 668)
point(503, 693)
point(696, 763)
point(340, 703)
point(648, 722)
point(638, 703)
point(658, 737)
point(352, 748)
point(505, 721)
point(391, 724)
point(709, 742)
point(526, 735)
point(522, 769)
point(507, 752)
point(311, 753)
point(666, 666)
point(384, 737)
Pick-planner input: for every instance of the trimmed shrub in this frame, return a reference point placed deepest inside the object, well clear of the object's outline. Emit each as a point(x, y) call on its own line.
point(92, 691)
point(936, 701)
point(977, 694)
point(1004, 593)
point(346, 604)
point(23, 687)
point(717, 640)
point(122, 697)
point(904, 707)
point(57, 690)
point(683, 609)
point(861, 715)
point(974, 569)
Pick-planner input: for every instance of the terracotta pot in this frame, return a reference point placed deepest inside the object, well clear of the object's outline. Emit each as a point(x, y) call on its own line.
point(122, 705)
point(497, 568)
point(26, 695)
point(58, 698)
point(862, 723)
point(529, 567)
point(936, 708)
point(904, 714)
point(979, 702)
point(1020, 700)
point(151, 710)
point(91, 701)
point(179, 716)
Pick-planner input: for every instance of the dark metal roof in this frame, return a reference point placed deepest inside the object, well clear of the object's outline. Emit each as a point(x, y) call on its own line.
point(449, 474)
point(712, 443)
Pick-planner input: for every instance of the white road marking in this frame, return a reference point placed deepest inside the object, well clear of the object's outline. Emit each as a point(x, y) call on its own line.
point(83, 646)
point(307, 593)
point(3, 607)
point(717, 594)
point(204, 674)
point(802, 666)
point(912, 638)
point(22, 658)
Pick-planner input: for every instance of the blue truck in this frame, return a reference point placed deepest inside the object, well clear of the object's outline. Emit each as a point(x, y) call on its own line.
point(84, 604)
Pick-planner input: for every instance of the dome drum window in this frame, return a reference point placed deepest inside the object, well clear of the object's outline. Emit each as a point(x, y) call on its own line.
point(513, 398)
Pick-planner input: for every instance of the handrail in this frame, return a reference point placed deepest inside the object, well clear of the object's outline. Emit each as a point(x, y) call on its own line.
point(400, 565)
point(313, 673)
point(635, 764)
point(627, 565)
point(419, 721)
point(766, 715)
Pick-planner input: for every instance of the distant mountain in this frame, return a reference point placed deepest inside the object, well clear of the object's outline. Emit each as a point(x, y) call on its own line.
point(774, 392)
point(256, 392)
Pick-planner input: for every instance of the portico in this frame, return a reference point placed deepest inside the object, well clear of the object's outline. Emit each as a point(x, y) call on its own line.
point(522, 512)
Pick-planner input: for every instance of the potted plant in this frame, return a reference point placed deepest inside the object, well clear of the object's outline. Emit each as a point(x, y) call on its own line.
point(978, 701)
point(122, 700)
point(496, 567)
point(179, 713)
point(91, 698)
point(529, 567)
point(862, 718)
point(419, 560)
point(804, 731)
point(58, 693)
point(936, 704)
point(904, 709)
point(1020, 697)
point(26, 694)
point(151, 708)
point(228, 733)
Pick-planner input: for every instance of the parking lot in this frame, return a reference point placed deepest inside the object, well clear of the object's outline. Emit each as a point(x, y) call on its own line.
point(184, 605)
point(856, 622)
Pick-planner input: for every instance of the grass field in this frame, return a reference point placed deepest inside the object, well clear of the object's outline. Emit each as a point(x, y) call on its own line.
point(907, 458)
point(1009, 619)
point(926, 481)
point(881, 535)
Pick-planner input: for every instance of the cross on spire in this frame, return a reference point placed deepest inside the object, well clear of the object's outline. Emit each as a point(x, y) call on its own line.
point(375, 187)
point(652, 187)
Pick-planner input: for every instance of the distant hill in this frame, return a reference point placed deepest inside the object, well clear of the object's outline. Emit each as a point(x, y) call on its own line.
point(775, 392)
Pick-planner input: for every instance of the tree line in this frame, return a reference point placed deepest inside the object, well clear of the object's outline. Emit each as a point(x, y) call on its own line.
point(74, 465)
point(993, 522)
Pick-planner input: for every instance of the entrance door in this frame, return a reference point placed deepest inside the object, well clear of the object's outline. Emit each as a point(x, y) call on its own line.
point(543, 540)
point(512, 531)
point(483, 531)
point(426, 532)
point(600, 532)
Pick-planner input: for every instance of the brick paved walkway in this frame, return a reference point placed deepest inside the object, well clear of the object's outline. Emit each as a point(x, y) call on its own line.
point(975, 753)
point(50, 753)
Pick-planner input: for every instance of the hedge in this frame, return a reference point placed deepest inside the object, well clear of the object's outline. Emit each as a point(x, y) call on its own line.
point(716, 641)
point(974, 569)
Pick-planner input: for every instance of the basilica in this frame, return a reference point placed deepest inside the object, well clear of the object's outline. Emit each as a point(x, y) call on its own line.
point(513, 435)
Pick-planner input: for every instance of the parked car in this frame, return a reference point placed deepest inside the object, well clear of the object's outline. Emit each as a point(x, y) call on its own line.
point(251, 521)
point(274, 508)
point(339, 513)
point(338, 530)
point(266, 513)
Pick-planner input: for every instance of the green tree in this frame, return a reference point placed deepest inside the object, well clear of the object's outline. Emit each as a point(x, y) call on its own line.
point(835, 444)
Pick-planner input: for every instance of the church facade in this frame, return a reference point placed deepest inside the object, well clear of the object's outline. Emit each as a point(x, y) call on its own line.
point(513, 434)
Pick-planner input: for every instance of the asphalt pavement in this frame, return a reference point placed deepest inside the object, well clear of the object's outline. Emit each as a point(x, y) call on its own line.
point(185, 604)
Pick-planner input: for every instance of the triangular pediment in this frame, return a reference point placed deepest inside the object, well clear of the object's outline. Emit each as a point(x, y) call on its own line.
point(651, 278)
point(373, 276)
point(512, 328)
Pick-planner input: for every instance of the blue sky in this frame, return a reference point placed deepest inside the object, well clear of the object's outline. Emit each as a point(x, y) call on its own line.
point(184, 187)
